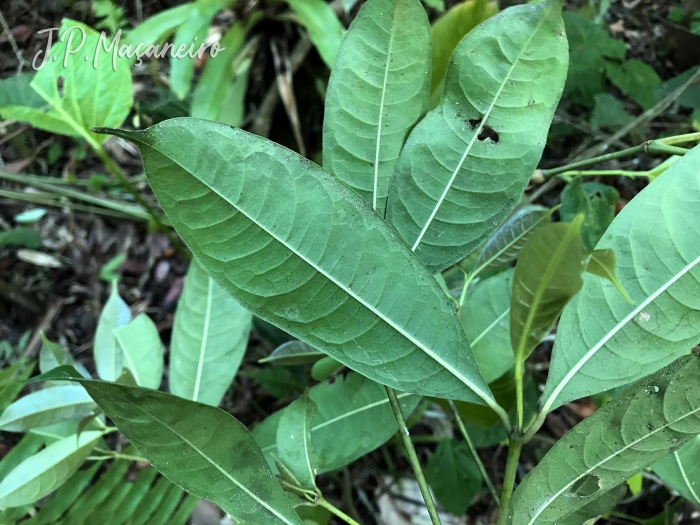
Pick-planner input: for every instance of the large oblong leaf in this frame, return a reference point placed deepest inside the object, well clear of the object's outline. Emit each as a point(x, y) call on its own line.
point(299, 249)
point(142, 350)
point(210, 336)
point(648, 421)
point(466, 164)
point(47, 407)
point(353, 417)
point(602, 341)
point(45, 471)
point(200, 448)
point(681, 470)
point(378, 90)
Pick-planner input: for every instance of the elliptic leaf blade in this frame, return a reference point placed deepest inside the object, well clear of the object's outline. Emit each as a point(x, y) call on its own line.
point(142, 350)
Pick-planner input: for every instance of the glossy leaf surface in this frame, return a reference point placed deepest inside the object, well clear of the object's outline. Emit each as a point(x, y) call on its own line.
point(648, 421)
point(602, 341)
point(466, 164)
point(210, 336)
point(377, 92)
point(296, 247)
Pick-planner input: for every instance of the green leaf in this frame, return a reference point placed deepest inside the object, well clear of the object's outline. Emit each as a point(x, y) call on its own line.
point(293, 353)
point(325, 30)
point(17, 91)
point(21, 236)
point(82, 100)
point(466, 164)
point(47, 470)
point(485, 317)
point(505, 245)
point(320, 261)
point(213, 86)
point(602, 263)
point(108, 354)
point(377, 92)
point(142, 351)
point(158, 26)
point(53, 355)
point(681, 470)
point(191, 33)
point(325, 368)
point(202, 449)
point(353, 418)
point(109, 270)
point(12, 380)
point(547, 276)
point(595, 201)
point(210, 336)
point(602, 342)
point(648, 421)
point(609, 112)
point(294, 446)
point(589, 46)
point(690, 98)
point(637, 79)
point(635, 483)
point(597, 507)
point(453, 476)
point(279, 381)
point(446, 33)
point(24, 448)
point(47, 407)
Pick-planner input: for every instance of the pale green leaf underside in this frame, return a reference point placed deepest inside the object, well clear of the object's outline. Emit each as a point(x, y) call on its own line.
point(486, 320)
point(210, 336)
point(108, 354)
point(293, 353)
point(379, 88)
point(202, 449)
point(47, 407)
point(299, 249)
point(681, 470)
point(633, 431)
point(604, 342)
point(142, 350)
point(353, 418)
point(294, 444)
point(53, 355)
point(453, 184)
point(89, 96)
point(47, 470)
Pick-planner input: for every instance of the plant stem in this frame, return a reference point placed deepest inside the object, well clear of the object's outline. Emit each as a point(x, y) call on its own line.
point(514, 448)
point(651, 147)
point(412, 456)
point(336, 511)
point(472, 449)
point(519, 373)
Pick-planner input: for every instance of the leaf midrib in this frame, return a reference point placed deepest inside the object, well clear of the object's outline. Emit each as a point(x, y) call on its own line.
point(544, 507)
point(205, 339)
point(489, 400)
point(685, 477)
point(477, 131)
point(210, 461)
point(547, 405)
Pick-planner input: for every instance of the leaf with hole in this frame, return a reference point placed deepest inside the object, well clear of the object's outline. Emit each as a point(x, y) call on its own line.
point(314, 262)
point(210, 336)
point(78, 94)
point(107, 352)
point(142, 350)
point(602, 341)
point(648, 421)
point(377, 92)
point(466, 164)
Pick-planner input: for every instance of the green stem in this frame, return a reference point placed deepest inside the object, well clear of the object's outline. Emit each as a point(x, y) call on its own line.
point(336, 511)
point(604, 173)
point(681, 139)
point(514, 448)
point(651, 147)
point(412, 456)
point(519, 373)
point(472, 449)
